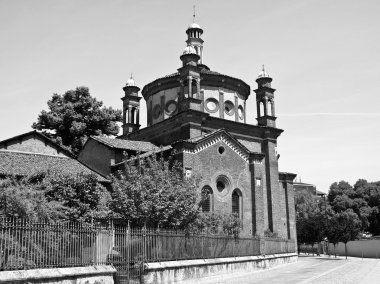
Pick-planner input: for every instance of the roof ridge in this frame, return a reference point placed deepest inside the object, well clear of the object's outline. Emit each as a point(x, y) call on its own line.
point(96, 137)
point(34, 153)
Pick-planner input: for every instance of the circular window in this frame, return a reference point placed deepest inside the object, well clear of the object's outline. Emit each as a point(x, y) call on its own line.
point(222, 184)
point(156, 111)
point(170, 107)
point(241, 112)
point(229, 108)
point(212, 105)
point(221, 150)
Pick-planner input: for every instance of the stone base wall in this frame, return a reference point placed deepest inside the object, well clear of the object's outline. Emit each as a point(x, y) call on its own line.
point(101, 274)
point(192, 271)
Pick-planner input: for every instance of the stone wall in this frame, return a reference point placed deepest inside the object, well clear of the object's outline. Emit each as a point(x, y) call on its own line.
point(193, 271)
point(101, 274)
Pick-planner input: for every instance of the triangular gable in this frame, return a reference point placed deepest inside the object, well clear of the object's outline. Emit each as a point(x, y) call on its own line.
point(215, 137)
point(20, 143)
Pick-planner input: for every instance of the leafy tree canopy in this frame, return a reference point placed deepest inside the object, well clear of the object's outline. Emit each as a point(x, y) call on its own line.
point(363, 199)
point(153, 191)
point(74, 116)
point(53, 196)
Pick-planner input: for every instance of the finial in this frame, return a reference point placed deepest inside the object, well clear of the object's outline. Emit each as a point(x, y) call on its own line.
point(263, 73)
point(132, 74)
point(193, 13)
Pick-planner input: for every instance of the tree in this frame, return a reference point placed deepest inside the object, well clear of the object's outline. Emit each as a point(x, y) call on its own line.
point(20, 199)
point(347, 226)
point(370, 192)
point(216, 223)
point(310, 219)
point(52, 197)
point(81, 195)
point(74, 116)
point(363, 199)
point(332, 232)
point(154, 191)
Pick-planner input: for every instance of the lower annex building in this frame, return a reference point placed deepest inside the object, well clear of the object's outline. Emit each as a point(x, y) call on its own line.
point(201, 114)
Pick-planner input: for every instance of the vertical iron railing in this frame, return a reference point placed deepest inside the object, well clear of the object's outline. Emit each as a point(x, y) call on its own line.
point(25, 245)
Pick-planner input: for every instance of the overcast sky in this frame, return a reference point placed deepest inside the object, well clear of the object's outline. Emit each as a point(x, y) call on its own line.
point(323, 56)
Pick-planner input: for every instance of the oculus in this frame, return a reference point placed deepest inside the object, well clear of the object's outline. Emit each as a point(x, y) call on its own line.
point(212, 105)
point(229, 108)
point(171, 107)
point(222, 184)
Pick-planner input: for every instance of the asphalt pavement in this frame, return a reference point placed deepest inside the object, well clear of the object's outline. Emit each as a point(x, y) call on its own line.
point(309, 269)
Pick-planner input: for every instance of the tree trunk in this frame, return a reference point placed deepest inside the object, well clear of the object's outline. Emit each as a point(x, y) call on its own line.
point(334, 250)
point(345, 249)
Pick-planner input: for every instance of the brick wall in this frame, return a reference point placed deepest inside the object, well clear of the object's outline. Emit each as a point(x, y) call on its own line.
point(210, 164)
point(34, 144)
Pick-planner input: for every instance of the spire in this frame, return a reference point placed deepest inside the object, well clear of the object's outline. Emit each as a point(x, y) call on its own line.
point(194, 14)
point(194, 33)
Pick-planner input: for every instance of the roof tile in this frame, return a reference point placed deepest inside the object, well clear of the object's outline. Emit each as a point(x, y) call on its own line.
point(23, 164)
point(124, 144)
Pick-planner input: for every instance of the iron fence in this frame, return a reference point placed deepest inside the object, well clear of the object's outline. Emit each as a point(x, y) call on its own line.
point(278, 245)
point(26, 245)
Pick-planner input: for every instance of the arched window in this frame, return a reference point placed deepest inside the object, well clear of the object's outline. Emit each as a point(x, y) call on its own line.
point(206, 199)
point(236, 202)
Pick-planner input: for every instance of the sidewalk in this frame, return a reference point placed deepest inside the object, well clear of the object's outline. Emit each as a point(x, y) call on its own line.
point(309, 269)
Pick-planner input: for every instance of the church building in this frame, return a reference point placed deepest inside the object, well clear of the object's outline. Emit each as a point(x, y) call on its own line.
point(201, 114)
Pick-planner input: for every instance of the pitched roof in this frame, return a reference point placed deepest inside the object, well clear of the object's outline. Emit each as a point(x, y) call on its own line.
point(147, 154)
point(123, 144)
point(24, 163)
point(251, 146)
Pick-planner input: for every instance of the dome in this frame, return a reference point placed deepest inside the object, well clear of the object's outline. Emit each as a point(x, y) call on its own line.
point(194, 26)
point(263, 73)
point(189, 50)
point(130, 83)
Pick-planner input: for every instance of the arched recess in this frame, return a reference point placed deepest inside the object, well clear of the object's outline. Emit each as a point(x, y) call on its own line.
point(269, 108)
point(237, 202)
point(133, 115)
point(207, 199)
point(262, 109)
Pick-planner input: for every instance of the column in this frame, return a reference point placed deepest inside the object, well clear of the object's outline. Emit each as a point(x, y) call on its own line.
point(265, 107)
point(198, 87)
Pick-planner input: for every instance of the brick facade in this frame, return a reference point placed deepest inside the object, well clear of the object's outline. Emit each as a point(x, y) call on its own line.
point(206, 125)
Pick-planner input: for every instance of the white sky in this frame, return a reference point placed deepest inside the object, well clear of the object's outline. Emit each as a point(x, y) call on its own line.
point(323, 55)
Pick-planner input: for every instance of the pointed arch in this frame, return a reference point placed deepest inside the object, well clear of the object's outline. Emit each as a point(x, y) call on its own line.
point(207, 199)
point(237, 202)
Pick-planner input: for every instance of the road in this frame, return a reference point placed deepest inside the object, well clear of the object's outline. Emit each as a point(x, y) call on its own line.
point(309, 270)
